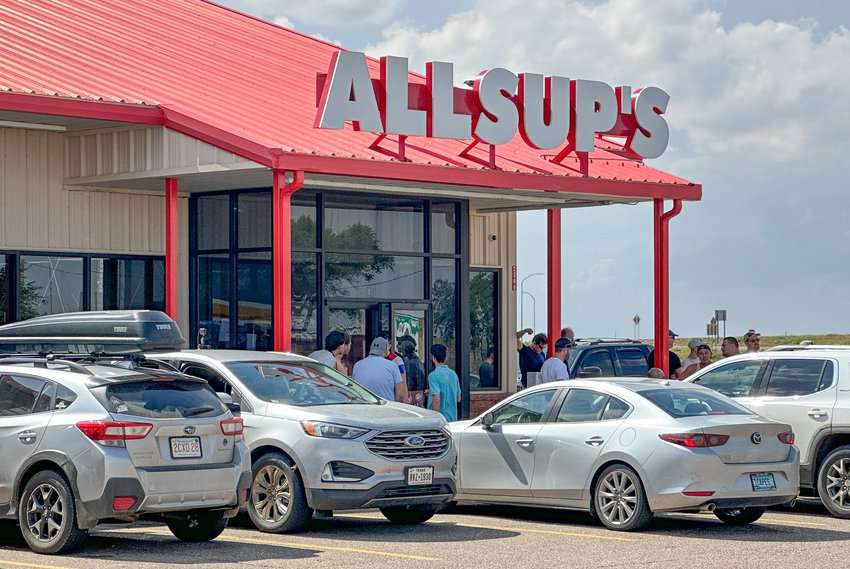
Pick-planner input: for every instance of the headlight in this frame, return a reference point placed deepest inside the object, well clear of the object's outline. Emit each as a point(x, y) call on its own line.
point(331, 430)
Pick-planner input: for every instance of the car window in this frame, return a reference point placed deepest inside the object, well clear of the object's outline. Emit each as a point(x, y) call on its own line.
point(615, 409)
point(215, 379)
point(529, 408)
point(796, 377)
point(18, 394)
point(732, 380)
point(44, 403)
point(582, 405)
point(64, 398)
point(680, 403)
point(633, 362)
point(600, 359)
point(161, 399)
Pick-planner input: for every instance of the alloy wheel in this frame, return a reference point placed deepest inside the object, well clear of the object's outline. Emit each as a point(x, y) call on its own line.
point(45, 512)
point(618, 497)
point(838, 483)
point(271, 494)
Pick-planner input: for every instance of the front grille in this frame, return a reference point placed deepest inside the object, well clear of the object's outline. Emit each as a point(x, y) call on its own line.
point(393, 445)
point(414, 491)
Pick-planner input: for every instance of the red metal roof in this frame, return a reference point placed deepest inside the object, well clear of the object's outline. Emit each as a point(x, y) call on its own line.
point(249, 86)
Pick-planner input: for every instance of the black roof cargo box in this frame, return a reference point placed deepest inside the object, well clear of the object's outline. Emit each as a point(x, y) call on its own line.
point(114, 332)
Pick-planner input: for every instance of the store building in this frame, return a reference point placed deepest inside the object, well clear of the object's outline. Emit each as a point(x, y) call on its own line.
point(168, 154)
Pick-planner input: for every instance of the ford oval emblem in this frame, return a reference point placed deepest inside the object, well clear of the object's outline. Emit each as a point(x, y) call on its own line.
point(189, 430)
point(756, 438)
point(414, 441)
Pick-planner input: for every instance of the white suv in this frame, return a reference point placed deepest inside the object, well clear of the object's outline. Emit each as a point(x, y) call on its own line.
point(808, 389)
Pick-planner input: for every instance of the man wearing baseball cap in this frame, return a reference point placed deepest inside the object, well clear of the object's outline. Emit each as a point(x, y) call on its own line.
point(693, 358)
point(378, 374)
point(672, 357)
point(752, 340)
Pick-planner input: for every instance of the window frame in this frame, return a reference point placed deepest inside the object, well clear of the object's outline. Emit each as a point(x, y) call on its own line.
point(546, 417)
point(767, 373)
point(590, 352)
point(556, 411)
point(46, 384)
point(497, 323)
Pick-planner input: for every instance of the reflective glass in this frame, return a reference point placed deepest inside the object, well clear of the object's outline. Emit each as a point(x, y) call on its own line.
point(483, 338)
point(304, 221)
point(4, 290)
point(374, 224)
point(444, 303)
point(305, 303)
point(444, 227)
point(214, 294)
point(255, 219)
point(213, 222)
point(49, 285)
point(254, 319)
point(118, 284)
point(374, 276)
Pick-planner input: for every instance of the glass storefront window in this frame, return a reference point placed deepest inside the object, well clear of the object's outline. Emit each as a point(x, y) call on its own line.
point(304, 229)
point(124, 284)
point(4, 290)
point(444, 227)
point(49, 285)
point(376, 224)
point(483, 338)
point(254, 219)
point(254, 317)
point(305, 303)
point(374, 276)
point(214, 297)
point(444, 305)
point(213, 222)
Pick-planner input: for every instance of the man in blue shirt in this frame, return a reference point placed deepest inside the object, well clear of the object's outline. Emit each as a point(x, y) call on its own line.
point(531, 357)
point(378, 374)
point(555, 368)
point(443, 385)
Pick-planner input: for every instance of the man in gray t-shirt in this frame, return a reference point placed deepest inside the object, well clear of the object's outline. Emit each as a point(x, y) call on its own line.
point(555, 368)
point(379, 375)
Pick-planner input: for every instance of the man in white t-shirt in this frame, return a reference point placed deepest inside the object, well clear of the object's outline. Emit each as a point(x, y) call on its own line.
point(337, 346)
point(555, 368)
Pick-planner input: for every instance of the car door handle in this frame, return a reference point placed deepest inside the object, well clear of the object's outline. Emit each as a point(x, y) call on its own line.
point(27, 437)
point(594, 441)
point(525, 443)
point(816, 413)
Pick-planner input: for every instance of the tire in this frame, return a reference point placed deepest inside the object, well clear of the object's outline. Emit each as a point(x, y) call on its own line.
point(739, 516)
point(289, 513)
point(197, 527)
point(410, 515)
point(834, 482)
point(47, 515)
point(619, 500)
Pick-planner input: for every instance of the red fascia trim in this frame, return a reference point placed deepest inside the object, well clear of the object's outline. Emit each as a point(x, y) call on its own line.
point(483, 177)
point(80, 108)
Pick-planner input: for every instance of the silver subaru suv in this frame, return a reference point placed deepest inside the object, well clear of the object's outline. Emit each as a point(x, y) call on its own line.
point(86, 442)
point(320, 442)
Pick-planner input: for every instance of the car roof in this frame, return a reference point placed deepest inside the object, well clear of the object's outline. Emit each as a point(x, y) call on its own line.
point(582, 342)
point(225, 356)
point(633, 384)
point(100, 374)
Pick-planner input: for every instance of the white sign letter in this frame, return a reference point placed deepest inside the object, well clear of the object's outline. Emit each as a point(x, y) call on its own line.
point(652, 134)
point(443, 122)
point(595, 108)
point(544, 104)
point(398, 117)
point(348, 95)
point(499, 119)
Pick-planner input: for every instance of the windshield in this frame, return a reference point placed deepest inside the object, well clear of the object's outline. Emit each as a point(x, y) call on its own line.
point(303, 384)
point(680, 403)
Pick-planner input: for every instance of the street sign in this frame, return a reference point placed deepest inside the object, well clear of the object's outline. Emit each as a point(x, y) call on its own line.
point(636, 319)
point(720, 315)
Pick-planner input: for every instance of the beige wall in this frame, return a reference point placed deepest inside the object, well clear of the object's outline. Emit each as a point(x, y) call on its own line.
point(38, 212)
point(492, 243)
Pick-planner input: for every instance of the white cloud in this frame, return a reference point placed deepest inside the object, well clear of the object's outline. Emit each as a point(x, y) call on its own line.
point(323, 13)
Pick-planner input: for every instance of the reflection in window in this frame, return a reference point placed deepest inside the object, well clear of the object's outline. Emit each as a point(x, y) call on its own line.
point(444, 303)
point(4, 290)
point(633, 362)
point(795, 377)
point(304, 220)
point(529, 408)
point(444, 227)
point(49, 285)
point(732, 380)
point(375, 224)
point(214, 299)
point(374, 276)
point(254, 318)
point(214, 222)
point(305, 304)
point(125, 284)
point(254, 219)
point(483, 338)
point(599, 359)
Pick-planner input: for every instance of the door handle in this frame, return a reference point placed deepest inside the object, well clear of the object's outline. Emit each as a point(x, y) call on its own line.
point(27, 437)
point(816, 413)
point(525, 443)
point(594, 441)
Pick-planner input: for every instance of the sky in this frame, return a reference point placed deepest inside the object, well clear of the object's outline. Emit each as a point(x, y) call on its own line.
point(759, 116)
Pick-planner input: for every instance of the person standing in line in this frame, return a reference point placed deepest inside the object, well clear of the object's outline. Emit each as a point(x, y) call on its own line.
point(555, 368)
point(703, 360)
point(416, 381)
point(486, 371)
point(752, 340)
point(443, 385)
point(675, 364)
point(729, 347)
point(692, 359)
point(569, 334)
point(337, 347)
point(379, 375)
point(394, 357)
point(531, 357)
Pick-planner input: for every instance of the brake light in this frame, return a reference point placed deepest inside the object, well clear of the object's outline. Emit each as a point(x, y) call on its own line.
point(787, 437)
point(114, 433)
point(695, 440)
point(700, 493)
point(232, 427)
point(123, 503)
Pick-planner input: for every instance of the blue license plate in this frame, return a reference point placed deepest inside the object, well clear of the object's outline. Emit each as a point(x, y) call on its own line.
point(763, 481)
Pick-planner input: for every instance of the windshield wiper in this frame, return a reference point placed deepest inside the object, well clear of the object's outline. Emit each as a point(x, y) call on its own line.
point(197, 411)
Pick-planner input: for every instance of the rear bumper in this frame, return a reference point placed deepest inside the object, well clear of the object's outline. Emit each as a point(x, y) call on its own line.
point(382, 495)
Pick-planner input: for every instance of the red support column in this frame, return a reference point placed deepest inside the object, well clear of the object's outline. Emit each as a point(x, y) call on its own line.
point(553, 266)
point(661, 234)
point(171, 247)
point(282, 256)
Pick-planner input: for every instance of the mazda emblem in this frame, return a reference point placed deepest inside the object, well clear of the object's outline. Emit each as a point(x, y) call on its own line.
point(189, 430)
point(756, 438)
point(414, 441)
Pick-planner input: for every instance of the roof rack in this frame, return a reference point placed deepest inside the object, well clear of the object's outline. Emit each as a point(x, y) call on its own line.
point(608, 340)
point(45, 361)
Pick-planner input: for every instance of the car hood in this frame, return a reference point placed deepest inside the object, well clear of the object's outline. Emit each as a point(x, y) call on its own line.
point(458, 426)
point(391, 415)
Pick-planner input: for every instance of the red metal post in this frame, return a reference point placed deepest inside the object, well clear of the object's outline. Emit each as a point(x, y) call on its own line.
point(171, 247)
point(661, 234)
point(553, 266)
point(282, 255)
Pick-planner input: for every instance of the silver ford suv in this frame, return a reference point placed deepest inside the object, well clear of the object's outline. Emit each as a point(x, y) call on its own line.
point(86, 442)
point(320, 442)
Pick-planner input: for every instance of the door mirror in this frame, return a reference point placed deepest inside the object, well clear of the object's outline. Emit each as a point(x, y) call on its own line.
point(488, 420)
point(235, 408)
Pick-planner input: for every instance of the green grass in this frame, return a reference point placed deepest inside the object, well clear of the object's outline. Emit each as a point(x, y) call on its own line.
point(681, 344)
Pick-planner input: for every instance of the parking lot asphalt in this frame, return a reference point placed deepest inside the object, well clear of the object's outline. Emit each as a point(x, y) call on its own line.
point(469, 537)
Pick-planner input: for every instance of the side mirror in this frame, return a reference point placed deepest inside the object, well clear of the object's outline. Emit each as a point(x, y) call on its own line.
point(235, 408)
point(488, 420)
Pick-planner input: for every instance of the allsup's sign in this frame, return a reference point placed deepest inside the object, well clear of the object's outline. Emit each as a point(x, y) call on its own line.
point(548, 111)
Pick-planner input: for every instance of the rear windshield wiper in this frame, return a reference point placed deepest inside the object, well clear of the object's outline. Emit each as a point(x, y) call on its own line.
point(197, 411)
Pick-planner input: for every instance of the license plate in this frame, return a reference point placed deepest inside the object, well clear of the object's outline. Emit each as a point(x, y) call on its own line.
point(763, 481)
point(420, 475)
point(186, 447)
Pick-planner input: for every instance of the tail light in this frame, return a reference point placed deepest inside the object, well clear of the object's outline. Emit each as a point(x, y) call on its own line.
point(114, 433)
point(787, 437)
point(232, 427)
point(695, 440)
point(699, 493)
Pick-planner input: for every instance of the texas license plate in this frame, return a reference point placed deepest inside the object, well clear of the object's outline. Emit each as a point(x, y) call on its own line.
point(420, 475)
point(763, 481)
point(186, 447)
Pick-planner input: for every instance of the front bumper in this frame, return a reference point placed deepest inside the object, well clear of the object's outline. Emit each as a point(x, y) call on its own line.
point(382, 495)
